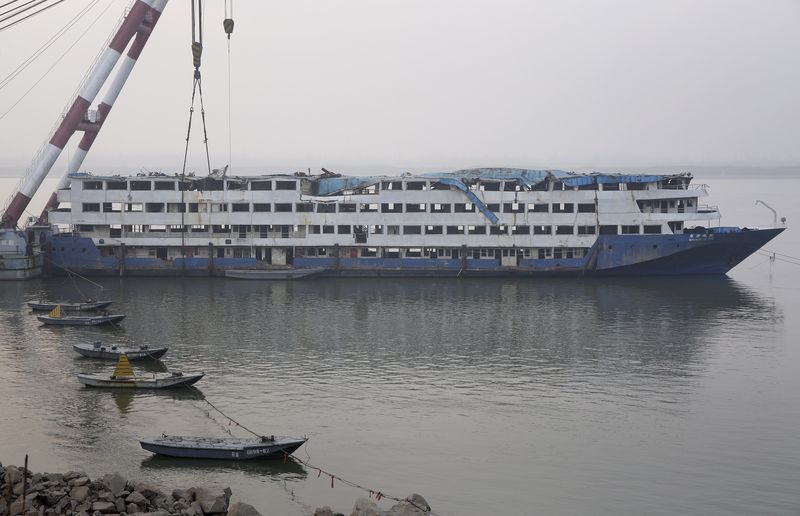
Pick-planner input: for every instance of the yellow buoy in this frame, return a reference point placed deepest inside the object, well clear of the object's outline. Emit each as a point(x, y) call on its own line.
point(123, 368)
point(56, 312)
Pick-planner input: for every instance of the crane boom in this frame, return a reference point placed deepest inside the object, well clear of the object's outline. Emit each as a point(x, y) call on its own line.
point(138, 23)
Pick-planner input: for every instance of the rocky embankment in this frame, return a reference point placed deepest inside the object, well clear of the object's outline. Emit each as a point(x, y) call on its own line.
point(75, 494)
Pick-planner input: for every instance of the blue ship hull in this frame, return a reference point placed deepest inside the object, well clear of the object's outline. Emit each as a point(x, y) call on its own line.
point(713, 251)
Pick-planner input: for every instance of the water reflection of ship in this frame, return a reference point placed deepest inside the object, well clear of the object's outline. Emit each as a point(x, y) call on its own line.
point(276, 469)
point(124, 399)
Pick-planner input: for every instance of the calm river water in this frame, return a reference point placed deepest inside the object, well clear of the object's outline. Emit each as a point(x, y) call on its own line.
point(554, 397)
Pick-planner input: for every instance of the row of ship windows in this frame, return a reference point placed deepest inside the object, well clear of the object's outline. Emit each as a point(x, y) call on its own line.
point(212, 184)
point(290, 231)
point(307, 207)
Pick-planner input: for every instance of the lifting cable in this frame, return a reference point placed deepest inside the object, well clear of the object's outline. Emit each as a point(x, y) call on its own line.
point(28, 16)
point(227, 25)
point(197, 87)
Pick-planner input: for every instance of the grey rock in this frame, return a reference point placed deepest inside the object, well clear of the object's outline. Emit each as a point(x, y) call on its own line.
point(115, 483)
point(146, 489)
point(79, 493)
point(106, 496)
point(212, 501)
point(366, 507)
point(54, 477)
point(325, 511)
point(179, 494)
point(3, 505)
point(62, 504)
point(104, 507)
point(137, 498)
point(84, 507)
point(161, 501)
point(120, 504)
point(15, 508)
point(197, 508)
point(242, 509)
point(414, 505)
point(69, 475)
point(53, 497)
point(131, 508)
point(82, 513)
point(79, 481)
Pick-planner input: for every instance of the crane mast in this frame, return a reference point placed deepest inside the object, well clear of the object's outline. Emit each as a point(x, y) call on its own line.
point(136, 25)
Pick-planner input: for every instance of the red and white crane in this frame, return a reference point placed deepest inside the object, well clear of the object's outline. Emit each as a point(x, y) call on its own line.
point(136, 27)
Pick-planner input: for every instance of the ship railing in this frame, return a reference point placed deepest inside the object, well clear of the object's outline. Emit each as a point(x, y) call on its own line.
point(698, 186)
point(705, 208)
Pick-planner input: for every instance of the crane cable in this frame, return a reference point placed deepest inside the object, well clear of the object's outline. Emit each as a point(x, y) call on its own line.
point(28, 16)
point(227, 25)
point(197, 87)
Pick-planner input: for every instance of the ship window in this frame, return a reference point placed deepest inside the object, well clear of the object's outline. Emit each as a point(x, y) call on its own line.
point(326, 208)
point(112, 207)
point(520, 230)
point(347, 208)
point(564, 230)
point(608, 230)
point(304, 207)
point(157, 228)
point(498, 230)
point(440, 208)
point(637, 186)
point(630, 230)
point(412, 230)
point(545, 253)
point(369, 208)
point(369, 252)
point(285, 185)
point(586, 207)
point(154, 207)
point(343, 229)
point(490, 186)
point(462, 207)
point(586, 230)
point(92, 185)
point(91, 206)
point(283, 207)
point(558, 253)
point(415, 185)
point(85, 227)
point(165, 185)
point(455, 230)
point(198, 228)
point(413, 252)
point(240, 207)
point(511, 186)
point(415, 208)
point(538, 208)
point(563, 207)
point(513, 207)
point(376, 229)
point(261, 185)
point(141, 185)
point(116, 185)
point(327, 230)
point(392, 185)
point(542, 230)
point(476, 230)
point(590, 186)
point(392, 230)
point(391, 252)
point(494, 207)
point(439, 186)
point(433, 230)
point(313, 230)
point(391, 207)
point(262, 206)
point(611, 186)
point(176, 207)
point(654, 229)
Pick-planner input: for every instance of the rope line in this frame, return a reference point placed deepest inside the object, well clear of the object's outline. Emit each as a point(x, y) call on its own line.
point(30, 15)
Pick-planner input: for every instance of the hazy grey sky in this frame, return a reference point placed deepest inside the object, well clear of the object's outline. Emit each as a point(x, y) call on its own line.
point(410, 83)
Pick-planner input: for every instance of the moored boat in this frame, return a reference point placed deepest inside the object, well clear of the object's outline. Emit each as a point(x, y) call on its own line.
point(90, 320)
point(273, 274)
point(84, 306)
point(125, 378)
point(100, 350)
point(229, 448)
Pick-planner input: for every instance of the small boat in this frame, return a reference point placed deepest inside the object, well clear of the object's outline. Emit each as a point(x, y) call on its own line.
point(273, 274)
point(99, 350)
point(85, 306)
point(229, 448)
point(55, 317)
point(125, 378)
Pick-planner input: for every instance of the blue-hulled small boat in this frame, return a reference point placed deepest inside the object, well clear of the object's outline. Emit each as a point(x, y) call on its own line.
point(85, 306)
point(229, 448)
